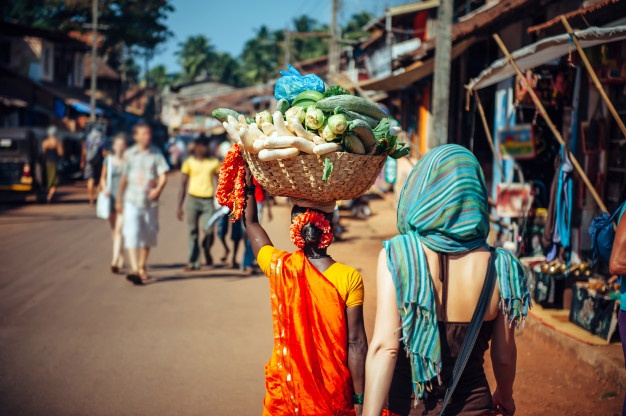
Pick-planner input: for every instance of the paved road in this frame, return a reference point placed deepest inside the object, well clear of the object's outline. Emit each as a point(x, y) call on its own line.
point(76, 340)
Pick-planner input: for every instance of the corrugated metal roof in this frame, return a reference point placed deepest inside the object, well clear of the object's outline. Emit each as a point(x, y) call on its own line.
point(413, 72)
point(579, 12)
point(402, 10)
point(544, 51)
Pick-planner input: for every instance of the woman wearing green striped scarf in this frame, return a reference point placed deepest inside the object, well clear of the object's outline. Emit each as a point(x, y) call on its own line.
point(429, 281)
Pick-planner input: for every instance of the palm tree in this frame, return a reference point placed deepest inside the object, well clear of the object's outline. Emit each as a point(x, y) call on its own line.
point(159, 77)
point(227, 70)
point(195, 55)
point(260, 56)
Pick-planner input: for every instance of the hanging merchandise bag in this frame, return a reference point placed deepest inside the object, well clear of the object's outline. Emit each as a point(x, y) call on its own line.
point(602, 233)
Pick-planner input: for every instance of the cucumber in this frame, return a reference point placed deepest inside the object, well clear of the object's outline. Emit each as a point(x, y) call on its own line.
point(282, 105)
point(352, 103)
point(364, 132)
point(307, 98)
point(353, 144)
point(351, 116)
point(222, 114)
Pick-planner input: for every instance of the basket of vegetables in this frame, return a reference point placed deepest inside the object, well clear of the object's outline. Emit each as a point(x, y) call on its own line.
point(318, 145)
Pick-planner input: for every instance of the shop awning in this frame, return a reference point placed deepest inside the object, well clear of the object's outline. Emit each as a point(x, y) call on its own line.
point(83, 107)
point(413, 72)
point(544, 51)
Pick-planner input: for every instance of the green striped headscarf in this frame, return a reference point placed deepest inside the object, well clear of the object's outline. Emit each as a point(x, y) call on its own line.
point(443, 206)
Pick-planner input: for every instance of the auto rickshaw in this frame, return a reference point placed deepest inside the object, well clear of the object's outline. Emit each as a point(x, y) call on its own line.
point(20, 170)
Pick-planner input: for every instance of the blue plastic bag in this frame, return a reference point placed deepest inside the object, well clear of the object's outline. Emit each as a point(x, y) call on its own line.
point(293, 83)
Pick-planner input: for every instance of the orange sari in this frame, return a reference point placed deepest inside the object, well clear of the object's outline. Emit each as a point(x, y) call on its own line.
point(308, 373)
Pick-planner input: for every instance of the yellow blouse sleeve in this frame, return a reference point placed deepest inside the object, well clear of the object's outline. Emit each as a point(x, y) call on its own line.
point(356, 291)
point(264, 258)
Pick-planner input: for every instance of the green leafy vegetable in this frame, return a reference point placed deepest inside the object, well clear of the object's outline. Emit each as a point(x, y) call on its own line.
point(328, 169)
point(335, 90)
point(401, 150)
point(382, 129)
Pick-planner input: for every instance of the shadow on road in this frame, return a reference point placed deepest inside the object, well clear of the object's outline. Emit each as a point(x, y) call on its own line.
point(235, 276)
point(23, 218)
point(167, 266)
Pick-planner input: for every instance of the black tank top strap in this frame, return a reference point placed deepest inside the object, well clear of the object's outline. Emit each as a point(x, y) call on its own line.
point(443, 276)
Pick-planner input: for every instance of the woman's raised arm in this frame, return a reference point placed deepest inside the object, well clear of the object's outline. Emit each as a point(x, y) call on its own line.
point(256, 233)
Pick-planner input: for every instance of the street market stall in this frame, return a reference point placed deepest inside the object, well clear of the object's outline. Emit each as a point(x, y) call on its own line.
point(560, 155)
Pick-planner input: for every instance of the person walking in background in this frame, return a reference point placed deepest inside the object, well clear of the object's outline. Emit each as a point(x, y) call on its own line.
point(429, 279)
point(318, 361)
point(199, 181)
point(52, 150)
point(261, 197)
point(142, 182)
point(92, 160)
point(617, 266)
point(112, 168)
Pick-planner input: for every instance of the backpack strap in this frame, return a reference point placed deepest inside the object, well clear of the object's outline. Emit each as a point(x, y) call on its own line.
point(474, 329)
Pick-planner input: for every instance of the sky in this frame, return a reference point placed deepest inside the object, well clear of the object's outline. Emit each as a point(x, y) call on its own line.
point(230, 23)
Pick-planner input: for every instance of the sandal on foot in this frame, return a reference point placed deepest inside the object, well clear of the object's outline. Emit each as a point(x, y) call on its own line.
point(133, 278)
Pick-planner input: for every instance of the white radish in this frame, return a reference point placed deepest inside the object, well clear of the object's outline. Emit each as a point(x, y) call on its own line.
point(318, 140)
point(242, 120)
point(322, 149)
point(248, 141)
point(301, 131)
point(279, 124)
point(283, 142)
point(280, 142)
point(254, 131)
point(303, 145)
point(268, 128)
point(232, 132)
point(233, 122)
point(267, 155)
point(259, 144)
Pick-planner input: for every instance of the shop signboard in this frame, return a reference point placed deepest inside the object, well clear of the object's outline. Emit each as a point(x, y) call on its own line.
point(513, 200)
point(517, 142)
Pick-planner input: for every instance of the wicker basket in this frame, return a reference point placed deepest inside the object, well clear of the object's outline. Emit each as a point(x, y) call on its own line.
point(301, 176)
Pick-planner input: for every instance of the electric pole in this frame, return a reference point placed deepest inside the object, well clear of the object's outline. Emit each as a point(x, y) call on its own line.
point(441, 89)
point(94, 57)
point(333, 50)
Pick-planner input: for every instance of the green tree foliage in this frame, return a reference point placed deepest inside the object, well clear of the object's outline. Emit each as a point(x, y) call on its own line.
point(353, 28)
point(134, 23)
point(194, 56)
point(227, 70)
point(261, 56)
point(304, 48)
point(158, 76)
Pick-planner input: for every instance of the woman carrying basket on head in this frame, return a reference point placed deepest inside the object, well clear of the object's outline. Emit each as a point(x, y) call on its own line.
point(318, 361)
point(430, 279)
